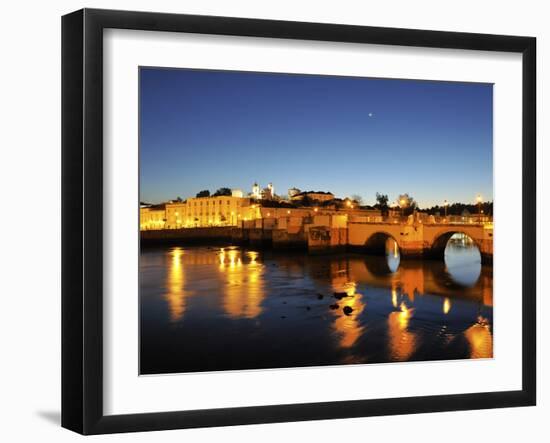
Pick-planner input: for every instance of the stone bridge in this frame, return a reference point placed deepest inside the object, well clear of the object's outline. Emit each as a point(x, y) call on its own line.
point(418, 239)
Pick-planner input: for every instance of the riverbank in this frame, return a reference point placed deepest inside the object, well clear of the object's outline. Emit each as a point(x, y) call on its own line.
point(187, 236)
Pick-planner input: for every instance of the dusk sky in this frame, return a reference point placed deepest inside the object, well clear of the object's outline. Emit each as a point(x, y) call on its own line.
point(348, 135)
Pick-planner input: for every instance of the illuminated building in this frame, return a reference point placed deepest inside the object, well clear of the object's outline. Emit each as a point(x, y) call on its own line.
point(176, 213)
point(256, 194)
point(292, 192)
point(152, 217)
point(269, 192)
point(319, 196)
point(221, 210)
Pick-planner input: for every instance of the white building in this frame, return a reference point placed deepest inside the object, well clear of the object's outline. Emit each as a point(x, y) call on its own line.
point(256, 193)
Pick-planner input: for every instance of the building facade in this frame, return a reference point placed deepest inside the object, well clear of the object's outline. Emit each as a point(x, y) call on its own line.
point(152, 217)
point(210, 211)
point(319, 196)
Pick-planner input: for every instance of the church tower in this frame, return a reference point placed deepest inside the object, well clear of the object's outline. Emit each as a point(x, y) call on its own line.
point(256, 191)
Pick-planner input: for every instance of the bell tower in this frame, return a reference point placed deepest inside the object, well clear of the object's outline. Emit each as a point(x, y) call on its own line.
point(256, 191)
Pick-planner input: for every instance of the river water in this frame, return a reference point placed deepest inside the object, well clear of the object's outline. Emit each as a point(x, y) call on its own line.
point(213, 308)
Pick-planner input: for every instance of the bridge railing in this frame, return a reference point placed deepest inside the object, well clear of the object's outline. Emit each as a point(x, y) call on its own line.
point(426, 219)
point(462, 219)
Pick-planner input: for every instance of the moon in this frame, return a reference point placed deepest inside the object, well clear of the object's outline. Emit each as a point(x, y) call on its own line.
point(370, 114)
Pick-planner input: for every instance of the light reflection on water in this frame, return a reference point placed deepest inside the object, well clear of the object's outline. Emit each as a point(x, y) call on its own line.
point(209, 308)
point(244, 285)
point(175, 296)
point(402, 341)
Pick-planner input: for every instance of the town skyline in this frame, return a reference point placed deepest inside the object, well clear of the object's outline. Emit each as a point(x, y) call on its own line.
point(284, 196)
point(349, 136)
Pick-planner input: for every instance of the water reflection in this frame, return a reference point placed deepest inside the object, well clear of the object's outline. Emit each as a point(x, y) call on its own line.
point(243, 285)
point(175, 281)
point(463, 260)
point(393, 257)
point(446, 305)
point(480, 339)
point(402, 342)
point(347, 323)
point(252, 309)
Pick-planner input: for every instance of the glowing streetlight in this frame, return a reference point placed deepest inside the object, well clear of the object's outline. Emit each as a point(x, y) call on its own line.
point(479, 200)
point(445, 204)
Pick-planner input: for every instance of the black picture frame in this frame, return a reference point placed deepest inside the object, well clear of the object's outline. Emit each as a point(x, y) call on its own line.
point(82, 219)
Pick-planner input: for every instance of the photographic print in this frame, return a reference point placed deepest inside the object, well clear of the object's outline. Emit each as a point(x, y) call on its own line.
point(292, 220)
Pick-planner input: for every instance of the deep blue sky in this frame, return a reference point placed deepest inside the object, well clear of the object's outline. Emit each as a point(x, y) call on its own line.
point(211, 129)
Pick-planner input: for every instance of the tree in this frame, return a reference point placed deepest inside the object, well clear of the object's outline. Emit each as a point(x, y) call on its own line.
point(204, 193)
point(222, 191)
point(407, 204)
point(357, 199)
point(179, 200)
point(306, 201)
point(459, 208)
point(382, 204)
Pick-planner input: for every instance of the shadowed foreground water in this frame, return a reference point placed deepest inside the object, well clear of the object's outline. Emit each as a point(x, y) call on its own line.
point(211, 308)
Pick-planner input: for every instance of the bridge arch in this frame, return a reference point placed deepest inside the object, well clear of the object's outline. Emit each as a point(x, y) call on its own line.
point(439, 243)
point(375, 244)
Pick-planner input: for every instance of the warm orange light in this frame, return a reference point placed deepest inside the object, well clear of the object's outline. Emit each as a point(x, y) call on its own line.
point(446, 305)
point(480, 339)
point(394, 297)
point(253, 255)
point(243, 293)
point(349, 288)
point(175, 284)
point(348, 327)
point(402, 342)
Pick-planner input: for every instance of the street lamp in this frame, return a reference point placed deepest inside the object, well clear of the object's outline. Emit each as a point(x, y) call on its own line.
point(401, 204)
point(445, 204)
point(478, 199)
